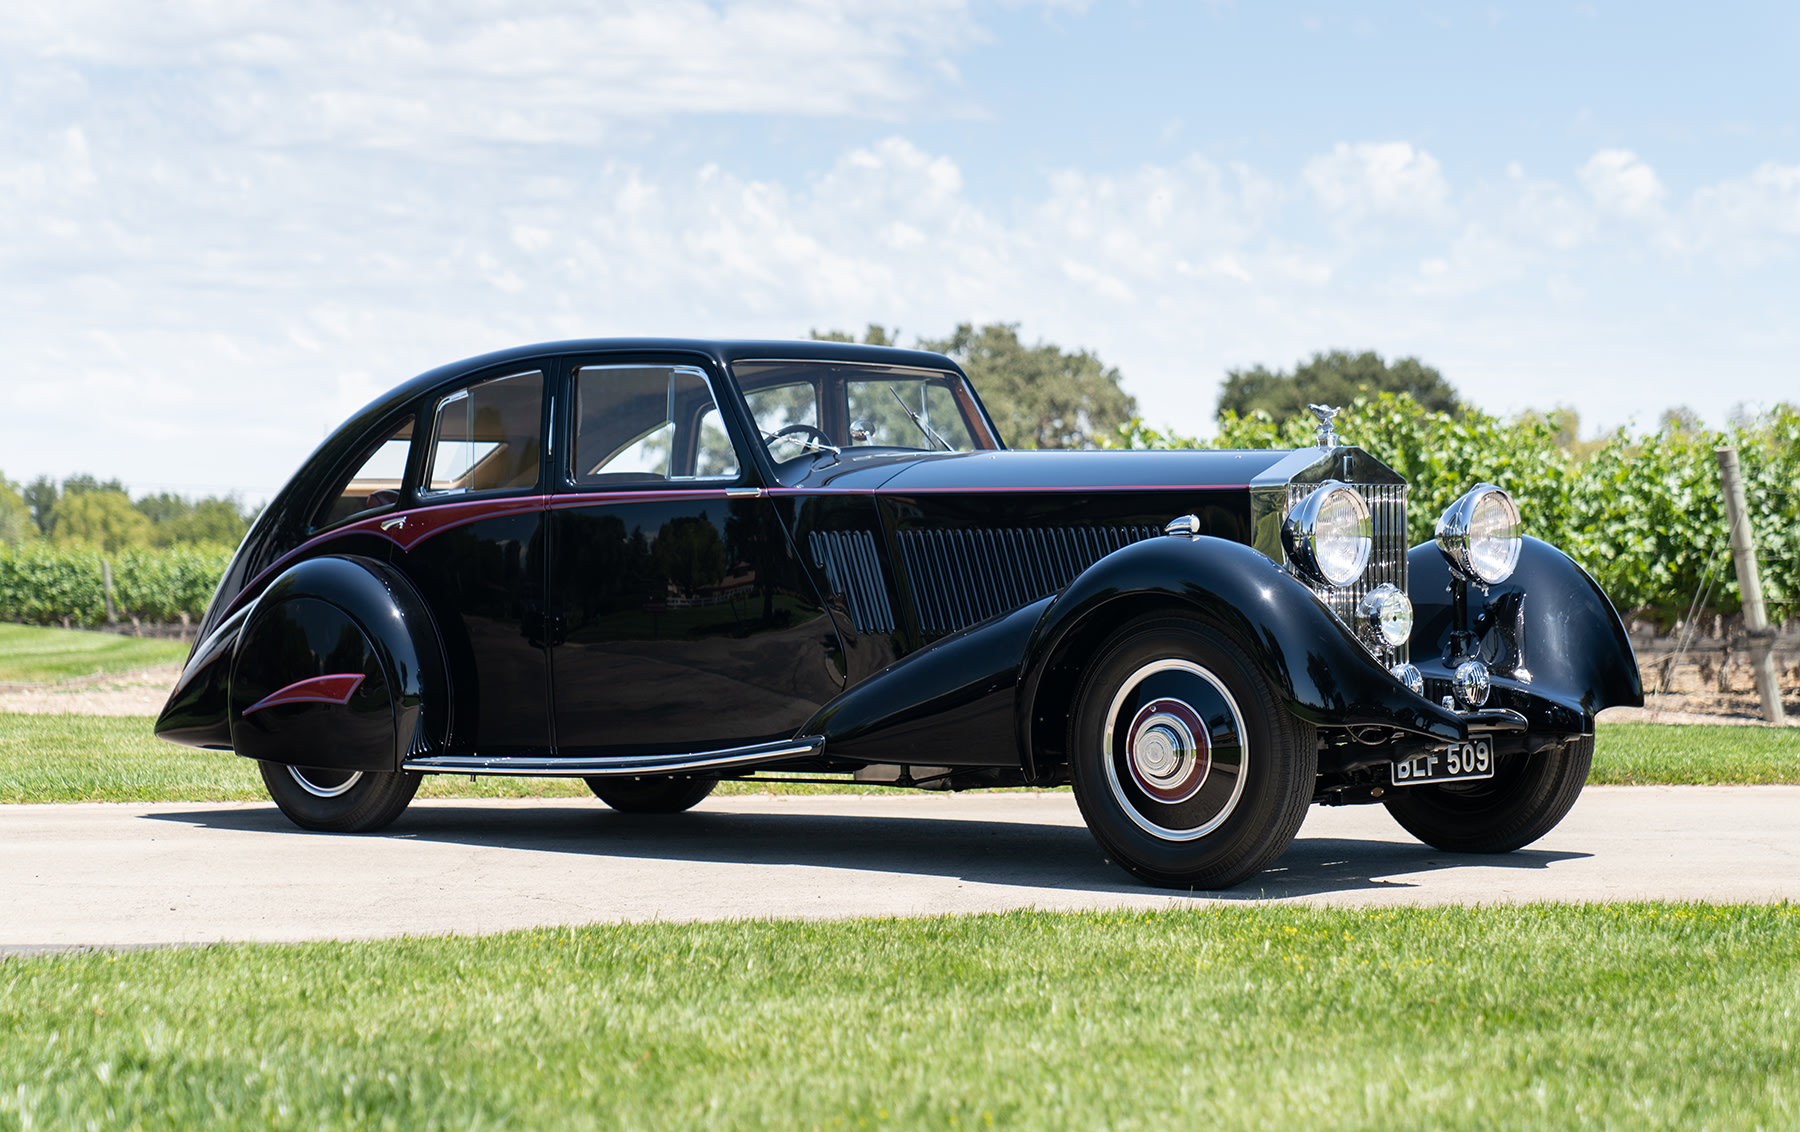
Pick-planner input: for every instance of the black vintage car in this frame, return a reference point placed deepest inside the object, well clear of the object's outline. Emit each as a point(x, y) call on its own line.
point(655, 564)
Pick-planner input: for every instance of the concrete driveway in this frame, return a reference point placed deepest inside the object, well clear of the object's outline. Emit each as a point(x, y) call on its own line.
point(120, 875)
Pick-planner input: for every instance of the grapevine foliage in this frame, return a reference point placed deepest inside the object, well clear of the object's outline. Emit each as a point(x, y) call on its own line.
point(45, 584)
point(1644, 514)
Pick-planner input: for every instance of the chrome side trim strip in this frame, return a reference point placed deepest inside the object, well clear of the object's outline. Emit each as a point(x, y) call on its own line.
point(618, 765)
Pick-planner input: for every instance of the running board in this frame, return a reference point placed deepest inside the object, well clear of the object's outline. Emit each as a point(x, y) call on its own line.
point(624, 766)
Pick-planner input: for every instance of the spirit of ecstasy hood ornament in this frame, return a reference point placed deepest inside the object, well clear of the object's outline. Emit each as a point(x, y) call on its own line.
point(1326, 432)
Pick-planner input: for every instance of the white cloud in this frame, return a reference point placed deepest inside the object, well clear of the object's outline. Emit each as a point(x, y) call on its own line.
point(1623, 184)
point(1746, 219)
point(1389, 180)
point(542, 71)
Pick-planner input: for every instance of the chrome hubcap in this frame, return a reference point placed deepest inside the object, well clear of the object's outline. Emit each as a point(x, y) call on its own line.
point(1167, 751)
point(1175, 750)
point(321, 783)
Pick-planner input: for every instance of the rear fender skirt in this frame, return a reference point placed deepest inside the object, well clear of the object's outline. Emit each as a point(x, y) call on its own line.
point(1319, 670)
point(1554, 643)
point(949, 704)
point(280, 707)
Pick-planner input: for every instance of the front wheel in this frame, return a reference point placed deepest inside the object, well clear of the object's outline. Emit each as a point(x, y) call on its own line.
point(339, 801)
point(1524, 800)
point(651, 795)
point(1188, 770)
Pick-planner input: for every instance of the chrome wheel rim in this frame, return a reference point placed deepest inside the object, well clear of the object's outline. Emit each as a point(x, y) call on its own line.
point(321, 783)
point(1175, 750)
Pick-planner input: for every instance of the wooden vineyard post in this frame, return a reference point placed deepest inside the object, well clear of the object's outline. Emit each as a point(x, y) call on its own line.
point(1743, 556)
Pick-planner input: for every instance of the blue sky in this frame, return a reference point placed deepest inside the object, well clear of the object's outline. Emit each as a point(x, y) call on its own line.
point(225, 227)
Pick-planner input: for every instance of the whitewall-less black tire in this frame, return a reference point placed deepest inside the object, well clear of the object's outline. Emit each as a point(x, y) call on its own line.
point(339, 801)
point(1524, 800)
point(651, 795)
point(1188, 770)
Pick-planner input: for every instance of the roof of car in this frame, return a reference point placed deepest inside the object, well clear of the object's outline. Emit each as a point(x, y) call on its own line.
point(721, 350)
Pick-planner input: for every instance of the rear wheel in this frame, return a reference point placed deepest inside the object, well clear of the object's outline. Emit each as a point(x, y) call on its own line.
point(1524, 800)
point(339, 801)
point(1187, 769)
point(651, 795)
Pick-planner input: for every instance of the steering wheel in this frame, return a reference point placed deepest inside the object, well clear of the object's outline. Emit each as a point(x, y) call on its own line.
point(822, 439)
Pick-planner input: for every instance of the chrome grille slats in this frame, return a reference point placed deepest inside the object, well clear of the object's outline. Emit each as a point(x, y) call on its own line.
point(963, 576)
point(853, 569)
point(1387, 555)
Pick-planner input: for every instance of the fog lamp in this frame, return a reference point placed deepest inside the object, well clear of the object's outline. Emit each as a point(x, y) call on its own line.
point(1409, 675)
point(1470, 683)
point(1385, 615)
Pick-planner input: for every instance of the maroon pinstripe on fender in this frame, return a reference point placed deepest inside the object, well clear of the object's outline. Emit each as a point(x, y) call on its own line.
point(318, 690)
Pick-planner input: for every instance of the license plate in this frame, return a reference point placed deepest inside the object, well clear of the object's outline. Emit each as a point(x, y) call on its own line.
point(1458, 763)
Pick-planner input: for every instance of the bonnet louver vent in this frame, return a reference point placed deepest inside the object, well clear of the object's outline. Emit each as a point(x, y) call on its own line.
point(961, 577)
point(854, 570)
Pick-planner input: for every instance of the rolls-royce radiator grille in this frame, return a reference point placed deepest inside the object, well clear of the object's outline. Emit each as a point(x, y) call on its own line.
point(960, 577)
point(854, 569)
point(1387, 555)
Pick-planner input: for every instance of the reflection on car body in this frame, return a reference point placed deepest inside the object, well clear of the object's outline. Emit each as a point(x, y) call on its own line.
point(654, 564)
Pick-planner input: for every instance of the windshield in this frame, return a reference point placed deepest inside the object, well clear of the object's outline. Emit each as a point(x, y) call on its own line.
point(804, 408)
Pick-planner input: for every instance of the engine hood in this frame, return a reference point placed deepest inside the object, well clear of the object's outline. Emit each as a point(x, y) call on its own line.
point(1015, 470)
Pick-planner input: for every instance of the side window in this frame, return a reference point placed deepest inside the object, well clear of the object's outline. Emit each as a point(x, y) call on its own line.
point(647, 423)
point(487, 437)
point(375, 484)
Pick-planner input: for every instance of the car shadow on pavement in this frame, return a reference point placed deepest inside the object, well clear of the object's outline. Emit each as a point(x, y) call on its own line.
point(1014, 853)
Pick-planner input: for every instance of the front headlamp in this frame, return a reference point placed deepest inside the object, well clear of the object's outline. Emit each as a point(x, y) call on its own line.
point(1329, 533)
point(1480, 535)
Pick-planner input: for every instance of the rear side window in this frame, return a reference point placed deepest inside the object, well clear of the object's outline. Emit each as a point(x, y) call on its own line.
point(375, 484)
point(488, 437)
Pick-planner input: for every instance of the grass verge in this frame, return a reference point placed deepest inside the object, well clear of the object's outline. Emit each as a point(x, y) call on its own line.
point(90, 758)
point(1530, 1017)
point(1703, 754)
point(30, 654)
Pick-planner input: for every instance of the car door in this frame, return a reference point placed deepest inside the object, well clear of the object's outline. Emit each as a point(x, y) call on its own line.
point(475, 546)
point(681, 620)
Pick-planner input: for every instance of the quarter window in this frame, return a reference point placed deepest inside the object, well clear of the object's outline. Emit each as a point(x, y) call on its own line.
point(375, 483)
point(487, 437)
point(647, 423)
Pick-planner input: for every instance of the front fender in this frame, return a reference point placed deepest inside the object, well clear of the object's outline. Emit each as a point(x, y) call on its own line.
point(1555, 645)
point(1315, 665)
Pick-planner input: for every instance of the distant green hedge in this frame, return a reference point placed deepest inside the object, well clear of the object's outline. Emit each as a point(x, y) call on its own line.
point(43, 584)
point(1644, 514)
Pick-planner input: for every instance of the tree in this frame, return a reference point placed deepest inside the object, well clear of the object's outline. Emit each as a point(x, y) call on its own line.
point(210, 520)
point(105, 520)
point(41, 495)
point(164, 507)
point(1040, 396)
point(1335, 378)
point(875, 335)
point(15, 516)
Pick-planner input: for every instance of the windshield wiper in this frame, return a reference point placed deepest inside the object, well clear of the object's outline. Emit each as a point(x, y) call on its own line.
point(923, 427)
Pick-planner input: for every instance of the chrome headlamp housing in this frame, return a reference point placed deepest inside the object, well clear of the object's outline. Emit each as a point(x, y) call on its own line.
point(1329, 533)
point(1481, 535)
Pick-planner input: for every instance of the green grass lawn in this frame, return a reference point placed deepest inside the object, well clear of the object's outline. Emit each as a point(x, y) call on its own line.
point(79, 758)
point(1662, 754)
point(33, 655)
point(1535, 1017)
